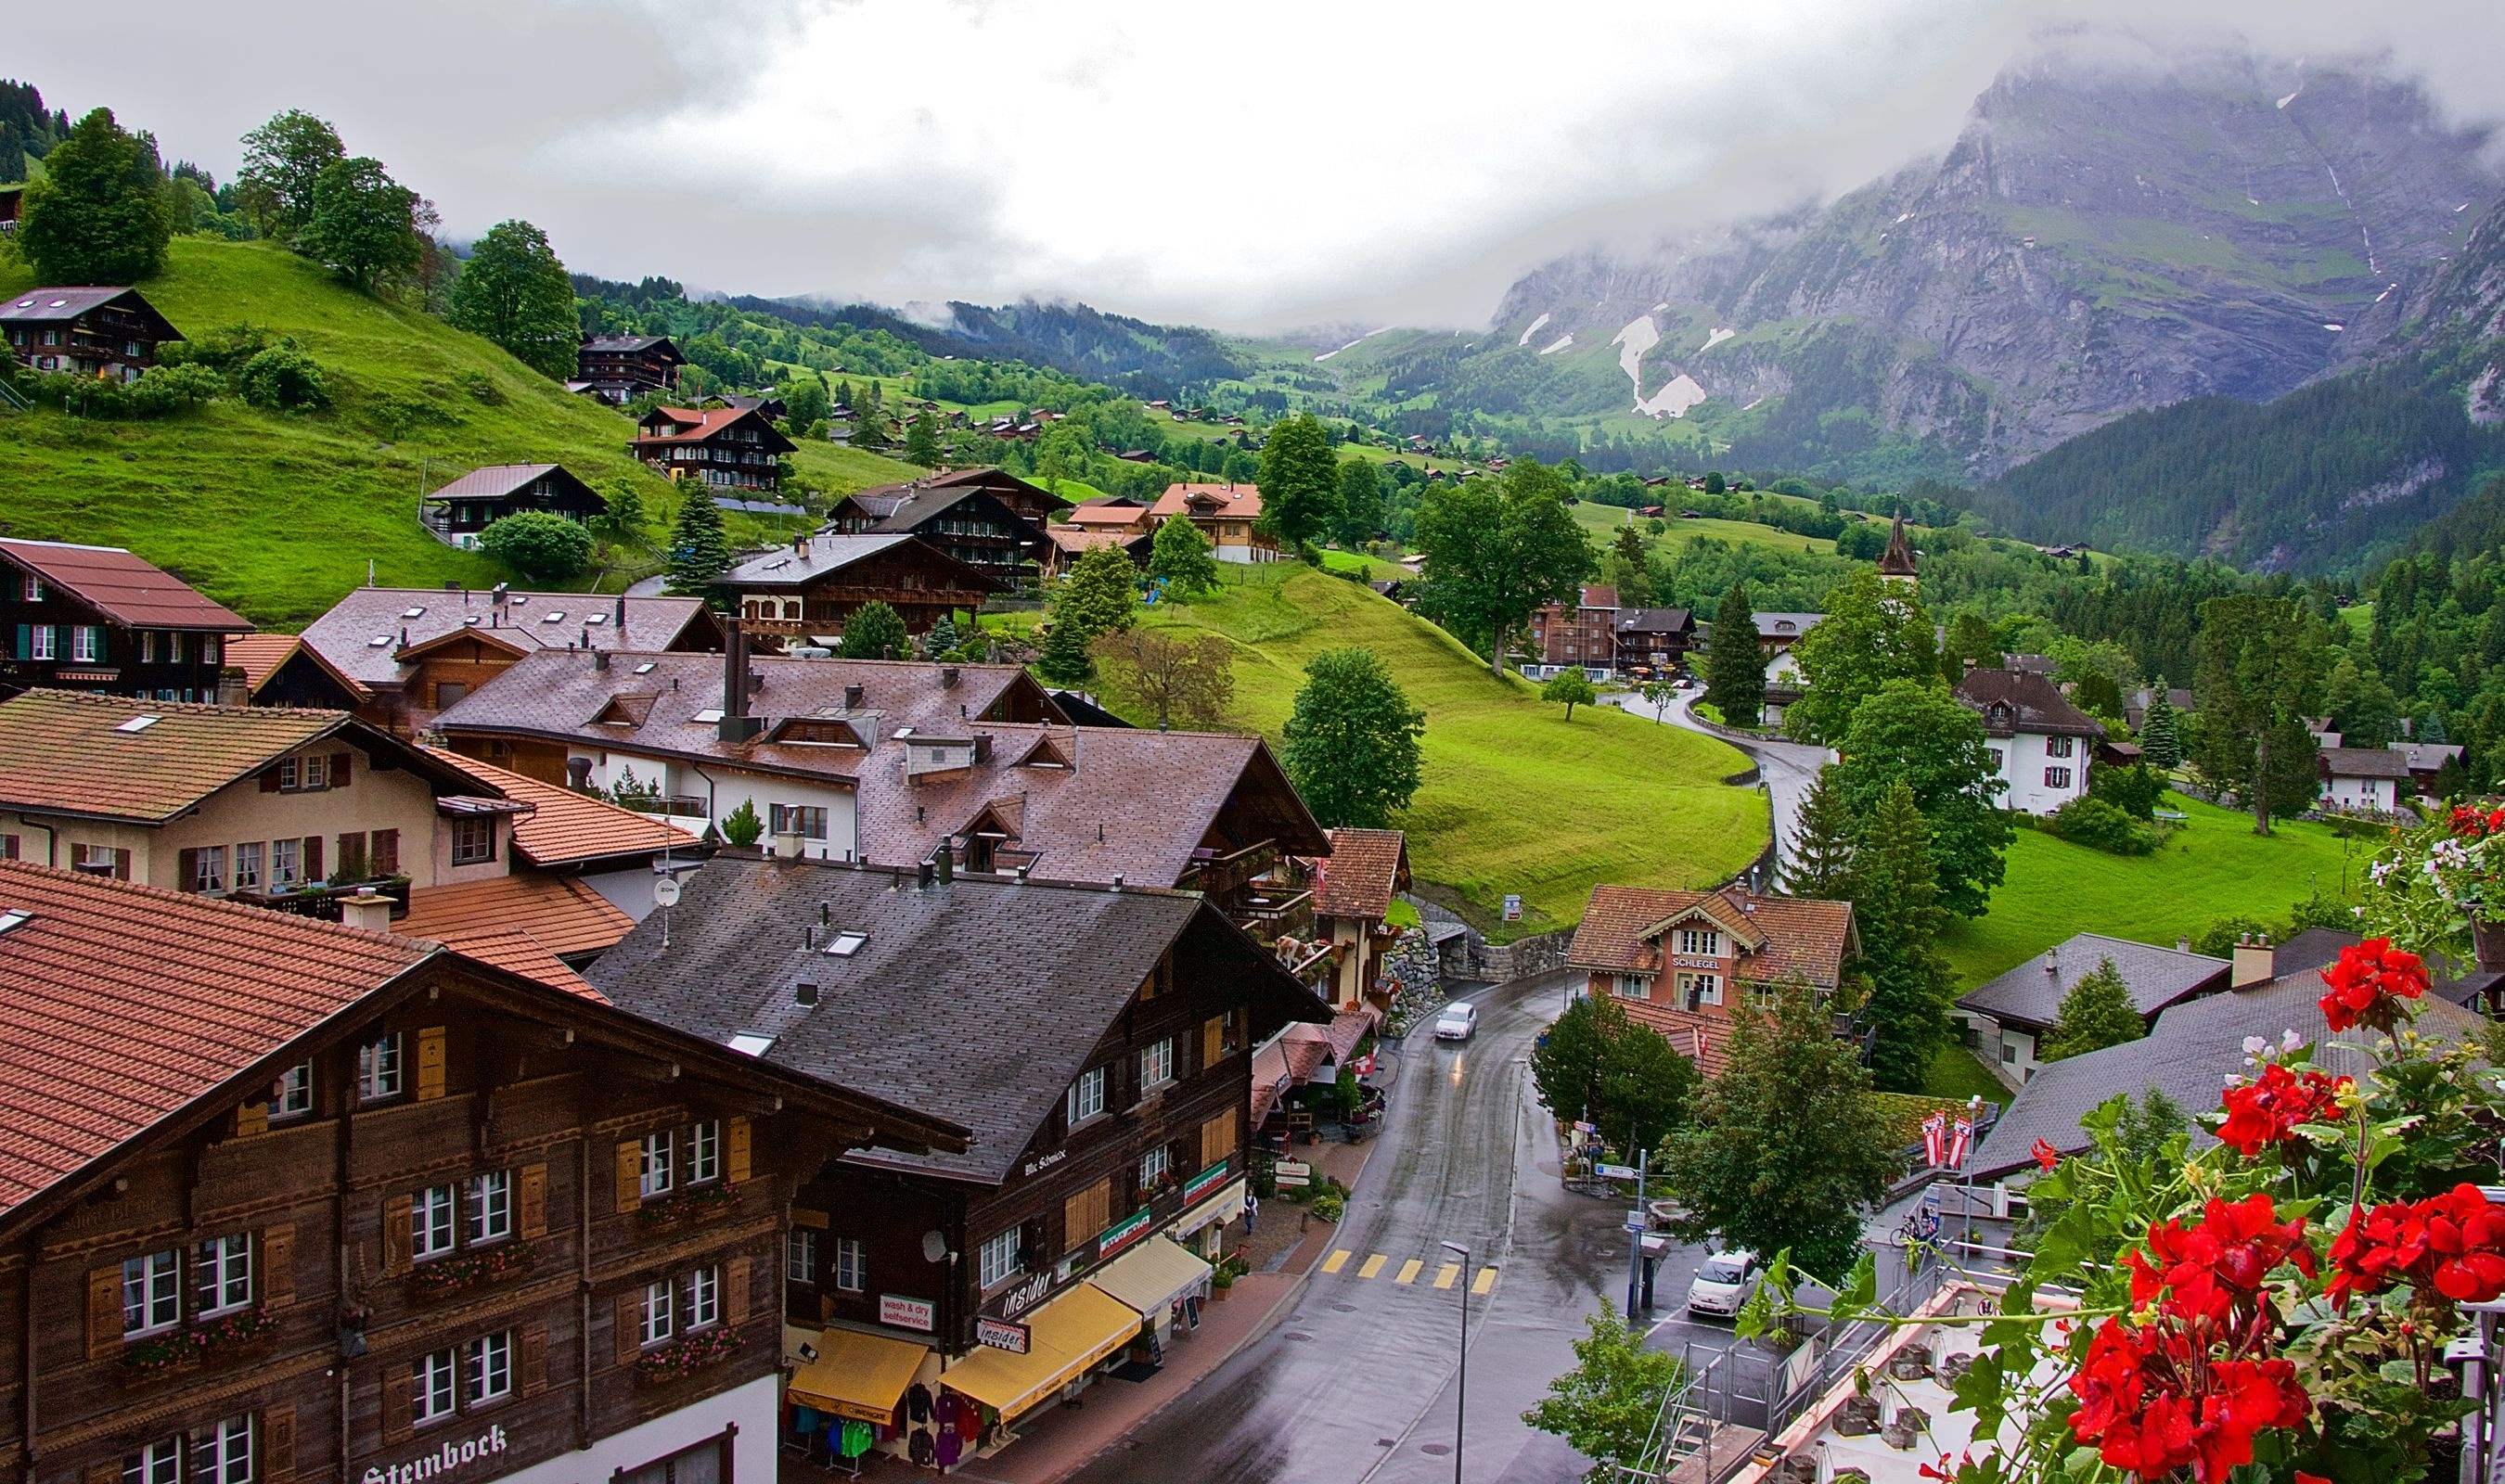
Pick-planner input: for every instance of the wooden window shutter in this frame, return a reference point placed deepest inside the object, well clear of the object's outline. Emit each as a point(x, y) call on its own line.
point(187, 869)
point(1087, 1214)
point(277, 1265)
point(736, 1165)
point(251, 1118)
point(734, 1286)
point(382, 853)
point(630, 1174)
point(534, 1201)
point(629, 1340)
point(277, 1444)
point(314, 858)
point(339, 770)
point(534, 1360)
point(121, 865)
point(1213, 1041)
point(103, 1312)
point(269, 780)
point(430, 1061)
point(396, 1235)
point(396, 1382)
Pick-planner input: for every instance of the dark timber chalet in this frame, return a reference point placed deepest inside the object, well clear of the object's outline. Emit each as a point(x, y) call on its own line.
point(619, 368)
point(964, 521)
point(459, 511)
point(1029, 502)
point(99, 618)
point(805, 593)
point(111, 333)
point(1096, 1038)
point(292, 1203)
point(726, 447)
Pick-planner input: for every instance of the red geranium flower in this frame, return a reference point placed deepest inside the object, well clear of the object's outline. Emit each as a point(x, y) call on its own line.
point(2215, 1269)
point(2151, 1402)
point(2266, 1111)
point(2452, 1243)
point(2368, 985)
point(2045, 1155)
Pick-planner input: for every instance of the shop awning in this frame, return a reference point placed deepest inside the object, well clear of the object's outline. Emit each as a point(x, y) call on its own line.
point(1150, 1279)
point(1069, 1334)
point(857, 1375)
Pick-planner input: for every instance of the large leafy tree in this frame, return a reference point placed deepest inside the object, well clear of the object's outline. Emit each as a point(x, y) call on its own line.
point(98, 214)
point(1872, 634)
point(2095, 1014)
point(1497, 552)
point(875, 632)
point(699, 547)
point(514, 291)
point(1822, 843)
point(1895, 901)
point(364, 223)
point(282, 159)
point(1361, 501)
point(1176, 678)
point(539, 544)
point(1351, 744)
point(2257, 675)
point(1915, 733)
point(1300, 499)
point(1598, 1063)
point(1609, 1403)
point(1180, 557)
point(1099, 595)
point(1788, 1151)
point(1735, 670)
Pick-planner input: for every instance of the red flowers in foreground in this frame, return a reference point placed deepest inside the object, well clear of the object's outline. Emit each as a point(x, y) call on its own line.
point(2265, 1112)
point(2467, 823)
point(2151, 1402)
point(2208, 1271)
point(2045, 1155)
point(2368, 985)
point(2454, 1243)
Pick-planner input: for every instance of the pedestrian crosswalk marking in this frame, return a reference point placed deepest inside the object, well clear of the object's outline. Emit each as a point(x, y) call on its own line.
point(1409, 1270)
point(1336, 1261)
point(1373, 1265)
point(1446, 1274)
point(1485, 1281)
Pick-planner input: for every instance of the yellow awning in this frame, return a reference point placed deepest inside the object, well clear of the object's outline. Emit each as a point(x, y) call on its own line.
point(1071, 1333)
point(1153, 1278)
point(857, 1375)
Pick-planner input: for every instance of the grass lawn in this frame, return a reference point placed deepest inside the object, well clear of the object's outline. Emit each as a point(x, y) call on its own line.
point(1957, 1074)
point(2212, 866)
point(1515, 799)
point(1374, 568)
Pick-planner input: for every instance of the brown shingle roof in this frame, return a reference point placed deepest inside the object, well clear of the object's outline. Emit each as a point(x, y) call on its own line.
point(1364, 869)
point(127, 1003)
point(701, 423)
point(565, 827)
point(2014, 701)
point(131, 592)
point(260, 655)
point(63, 752)
point(1802, 936)
point(561, 914)
point(345, 636)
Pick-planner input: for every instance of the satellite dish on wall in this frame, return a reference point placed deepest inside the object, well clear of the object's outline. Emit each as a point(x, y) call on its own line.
point(665, 891)
point(934, 1246)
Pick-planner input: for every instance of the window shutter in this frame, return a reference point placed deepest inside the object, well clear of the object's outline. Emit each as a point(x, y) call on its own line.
point(270, 781)
point(187, 869)
point(121, 865)
point(430, 1060)
point(534, 1201)
point(314, 858)
point(26, 649)
point(1213, 1041)
point(629, 1325)
point(534, 1362)
point(339, 770)
point(734, 1285)
point(251, 1118)
point(103, 1312)
point(630, 1174)
point(737, 1163)
point(396, 1426)
point(277, 1257)
point(382, 855)
point(396, 1235)
point(277, 1444)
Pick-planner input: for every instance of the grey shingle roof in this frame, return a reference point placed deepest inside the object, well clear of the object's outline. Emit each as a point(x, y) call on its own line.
point(2014, 701)
point(790, 567)
point(978, 1000)
point(345, 636)
point(2365, 763)
point(2030, 997)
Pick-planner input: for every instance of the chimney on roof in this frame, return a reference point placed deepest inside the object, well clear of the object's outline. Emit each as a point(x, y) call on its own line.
point(620, 621)
point(2254, 962)
point(577, 774)
point(452, 584)
point(945, 860)
point(2053, 960)
point(2183, 944)
point(367, 908)
point(736, 724)
point(852, 698)
point(787, 846)
point(800, 544)
point(587, 635)
point(923, 873)
point(232, 690)
point(599, 657)
point(947, 677)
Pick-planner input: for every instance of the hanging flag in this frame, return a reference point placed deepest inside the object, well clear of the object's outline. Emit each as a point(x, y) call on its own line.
point(1934, 1142)
point(1961, 1144)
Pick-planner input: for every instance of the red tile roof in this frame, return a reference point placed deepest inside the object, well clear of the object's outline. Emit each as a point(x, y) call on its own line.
point(561, 914)
point(699, 424)
point(1239, 502)
point(1800, 936)
point(63, 751)
point(1704, 1039)
point(127, 1002)
point(123, 588)
point(519, 953)
point(565, 827)
point(260, 655)
point(1362, 874)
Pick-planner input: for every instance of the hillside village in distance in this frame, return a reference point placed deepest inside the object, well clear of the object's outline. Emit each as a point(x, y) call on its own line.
point(735, 897)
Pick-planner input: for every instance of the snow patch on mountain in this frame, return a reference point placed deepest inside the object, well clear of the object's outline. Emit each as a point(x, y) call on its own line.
point(1558, 344)
point(1640, 335)
point(1354, 344)
point(1530, 329)
point(1717, 337)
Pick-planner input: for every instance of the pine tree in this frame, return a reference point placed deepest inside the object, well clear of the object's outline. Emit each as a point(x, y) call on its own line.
point(1065, 659)
point(875, 632)
point(1735, 673)
point(699, 547)
point(921, 441)
point(2095, 1014)
point(2161, 730)
point(942, 638)
point(1819, 862)
point(1895, 900)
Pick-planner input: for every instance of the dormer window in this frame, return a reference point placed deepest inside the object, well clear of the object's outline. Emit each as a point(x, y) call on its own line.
point(1699, 943)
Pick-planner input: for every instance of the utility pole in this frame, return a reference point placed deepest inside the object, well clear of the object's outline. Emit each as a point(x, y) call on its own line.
point(1636, 1224)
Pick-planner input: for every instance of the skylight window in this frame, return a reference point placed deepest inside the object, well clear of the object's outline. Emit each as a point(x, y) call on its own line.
point(710, 713)
point(14, 917)
point(751, 1045)
point(138, 724)
point(845, 944)
point(379, 642)
point(417, 612)
point(552, 616)
point(596, 619)
point(472, 620)
point(518, 599)
point(645, 668)
point(60, 304)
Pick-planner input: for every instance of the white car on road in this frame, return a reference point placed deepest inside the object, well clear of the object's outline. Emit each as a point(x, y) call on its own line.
point(1457, 1021)
point(1724, 1285)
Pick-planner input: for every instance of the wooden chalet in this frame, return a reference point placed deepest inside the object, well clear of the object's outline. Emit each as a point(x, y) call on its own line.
point(1228, 514)
point(110, 334)
point(807, 592)
point(1354, 889)
point(619, 368)
point(1098, 1041)
point(296, 1203)
point(98, 618)
point(726, 447)
point(459, 511)
point(1030, 502)
point(964, 520)
point(1685, 962)
point(1654, 642)
point(282, 669)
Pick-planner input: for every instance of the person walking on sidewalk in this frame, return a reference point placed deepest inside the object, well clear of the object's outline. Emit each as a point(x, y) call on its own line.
point(1252, 1209)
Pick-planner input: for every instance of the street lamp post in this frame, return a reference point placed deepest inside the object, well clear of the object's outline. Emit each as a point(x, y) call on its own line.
point(1462, 1385)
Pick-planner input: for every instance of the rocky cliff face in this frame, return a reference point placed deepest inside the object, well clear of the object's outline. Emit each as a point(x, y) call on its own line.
point(2095, 242)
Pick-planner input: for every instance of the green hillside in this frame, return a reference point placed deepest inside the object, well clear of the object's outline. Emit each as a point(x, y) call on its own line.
point(278, 514)
point(1516, 799)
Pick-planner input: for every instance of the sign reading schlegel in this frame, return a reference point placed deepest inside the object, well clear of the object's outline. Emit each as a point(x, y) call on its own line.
point(442, 1461)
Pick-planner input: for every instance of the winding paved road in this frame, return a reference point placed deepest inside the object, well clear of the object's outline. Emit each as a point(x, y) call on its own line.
point(1787, 767)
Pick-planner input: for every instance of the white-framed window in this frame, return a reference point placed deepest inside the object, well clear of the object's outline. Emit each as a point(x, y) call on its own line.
point(491, 1366)
point(160, 1462)
point(41, 642)
point(474, 840)
point(704, 1152)
point(213, 648)
point(1156, 1064)
point(86, 643)
point(1153, 1166)
point(808, 821)
point(34, 589)
point(378, 1069)
point(209, 869)
point(658, 1151)
point(1998, 759)
point(800, 1256)
point(491, 1208)
point(1086, 1095)
point(247, 865)
point(152, 1293)
point(2057, 778)
point(998, 1261)
point(704, 1298)
point(852, 1266)
point(222, 1273)
point(1700, 942)
point(2059, 746)
point(286, 862)
point(223, 1455)
point(433, 1388)
point(1631, 986)
point(293, 1095)
point(430, 1222)
point(147, 646)
point(1700, 988)
point(660, 1313)
point(174, 647)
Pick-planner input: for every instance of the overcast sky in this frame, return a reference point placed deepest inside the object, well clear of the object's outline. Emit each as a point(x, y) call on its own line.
point(1249, 168)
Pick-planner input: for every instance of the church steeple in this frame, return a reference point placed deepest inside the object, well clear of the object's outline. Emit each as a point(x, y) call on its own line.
point(1897, 563)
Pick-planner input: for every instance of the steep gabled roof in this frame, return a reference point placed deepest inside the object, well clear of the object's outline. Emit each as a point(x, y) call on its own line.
point(815, 558)
point(1898, 561)
point(1236, 502)
point(561, 914)
point(697, 424)
point(55, 306)
point(1803, 937)
point(361, 634)
point(499, 481)
point(2030, 996)
point(2016, 701)
point(131, 592)
point(565, 828)
point(260, 656)
point(1364, 870)
point(2365, 763)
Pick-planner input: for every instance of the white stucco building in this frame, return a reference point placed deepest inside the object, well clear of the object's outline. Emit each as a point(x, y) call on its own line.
point(2040, 743)
point(2364, 779)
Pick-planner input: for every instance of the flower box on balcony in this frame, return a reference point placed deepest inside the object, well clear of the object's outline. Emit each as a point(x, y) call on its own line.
point(445, 1277)
point(700, 1203)
point(209, 1339)
point(684, 1357)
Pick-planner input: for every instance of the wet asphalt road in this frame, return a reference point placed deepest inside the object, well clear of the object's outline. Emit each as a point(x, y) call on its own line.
point(1787, 767)
point(1355, 1384)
